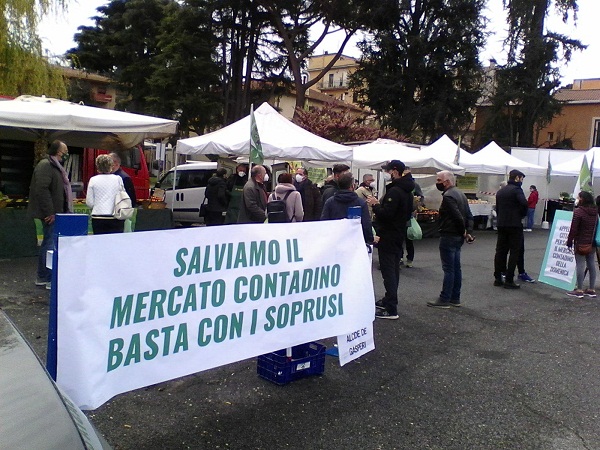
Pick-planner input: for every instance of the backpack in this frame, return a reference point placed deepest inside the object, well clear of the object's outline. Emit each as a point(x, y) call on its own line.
point(277, 209)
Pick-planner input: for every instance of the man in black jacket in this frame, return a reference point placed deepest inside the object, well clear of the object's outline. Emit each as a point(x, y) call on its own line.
point(456, 224)
point(391, 217)
point(511, 207)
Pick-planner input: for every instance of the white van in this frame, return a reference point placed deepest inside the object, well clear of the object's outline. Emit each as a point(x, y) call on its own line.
point(185, 200)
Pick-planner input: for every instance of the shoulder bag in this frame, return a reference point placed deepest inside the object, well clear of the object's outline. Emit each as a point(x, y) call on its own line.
point(123, 208)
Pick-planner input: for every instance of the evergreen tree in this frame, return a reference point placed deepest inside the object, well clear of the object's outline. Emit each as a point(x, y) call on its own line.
point(420, 72)
point(523, 101)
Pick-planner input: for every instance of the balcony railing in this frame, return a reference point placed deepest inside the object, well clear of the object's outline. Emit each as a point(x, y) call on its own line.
point(337, 84)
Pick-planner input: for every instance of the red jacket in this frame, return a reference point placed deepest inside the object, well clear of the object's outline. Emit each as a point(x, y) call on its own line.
point(533, 199)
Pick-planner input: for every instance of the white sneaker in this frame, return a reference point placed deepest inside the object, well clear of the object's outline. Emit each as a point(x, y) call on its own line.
point(527, 229)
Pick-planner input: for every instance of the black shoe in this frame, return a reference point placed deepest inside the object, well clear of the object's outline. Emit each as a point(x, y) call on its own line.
point(455, 303)
point(439, 304)
point(498, 282)
point(379, 304)
point(385, 314)
point(511, 285)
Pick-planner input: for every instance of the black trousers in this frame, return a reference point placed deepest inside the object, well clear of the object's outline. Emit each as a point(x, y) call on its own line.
point(106, 226)
point(390, 255)
point(509, 243)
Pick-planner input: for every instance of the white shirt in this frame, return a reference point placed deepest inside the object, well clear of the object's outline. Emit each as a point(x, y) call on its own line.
point(101, 193)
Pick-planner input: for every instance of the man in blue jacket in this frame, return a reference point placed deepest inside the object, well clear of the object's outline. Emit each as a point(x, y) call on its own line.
point(511, 207)
point(337, 206)
point(391, 216)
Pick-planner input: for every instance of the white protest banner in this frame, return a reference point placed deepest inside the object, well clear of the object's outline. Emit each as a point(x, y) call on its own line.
point(558, 268)
point(356, 343)
point(137, 309)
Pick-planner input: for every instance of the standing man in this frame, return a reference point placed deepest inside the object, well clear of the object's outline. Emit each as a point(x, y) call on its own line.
point(511, 207)
point(49, 194)
point(127, 181)
point(331, 186)
point(337, 206)
point(456, 225)
point(532, 201)
point(253, 204)
point(391, 216)
point(367, 189)
point(216, 198)
point(310, 194)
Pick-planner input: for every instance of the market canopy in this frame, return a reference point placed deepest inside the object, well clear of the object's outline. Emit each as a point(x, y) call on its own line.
point(31, 118)
point(573, 166)
point(280, 139)
point(445, 150)
point(493, 160)
point(376, 153)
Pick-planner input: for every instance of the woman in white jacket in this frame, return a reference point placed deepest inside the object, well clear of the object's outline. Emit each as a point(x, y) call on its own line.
point(101, 194)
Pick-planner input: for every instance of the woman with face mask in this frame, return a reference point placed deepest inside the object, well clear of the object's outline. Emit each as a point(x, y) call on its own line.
point(235, 185)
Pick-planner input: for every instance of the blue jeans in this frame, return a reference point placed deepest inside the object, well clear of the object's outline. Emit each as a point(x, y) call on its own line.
point(450, 255)
point(43, 273)
point(530, 214)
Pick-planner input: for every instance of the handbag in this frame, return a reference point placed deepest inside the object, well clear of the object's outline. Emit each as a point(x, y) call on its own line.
point(123, 208)
point(583, 249)
point(597, 235)
point(203, 208)
point(414, 232)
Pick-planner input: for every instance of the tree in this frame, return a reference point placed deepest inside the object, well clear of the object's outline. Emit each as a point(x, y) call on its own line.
point(291, 21)
point(419, 72)
point(523, 101)
point(336, 123)
point(184, 82)
point(23, 70)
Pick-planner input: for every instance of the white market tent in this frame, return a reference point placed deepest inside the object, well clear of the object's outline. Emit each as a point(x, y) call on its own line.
point(573, 166)
point(280, 138)
point(493, 160)
point(376, 153)
point(445, 150)
point(30, 118)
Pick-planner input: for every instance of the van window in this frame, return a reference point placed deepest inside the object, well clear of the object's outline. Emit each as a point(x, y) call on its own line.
point(194, 178)
point(166, 182)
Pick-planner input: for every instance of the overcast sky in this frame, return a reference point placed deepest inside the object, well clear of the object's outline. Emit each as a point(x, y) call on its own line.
point(57, 35)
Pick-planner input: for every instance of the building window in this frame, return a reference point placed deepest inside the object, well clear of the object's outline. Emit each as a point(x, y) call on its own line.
point(330, 80)
point(596, 135)
point(550, 136)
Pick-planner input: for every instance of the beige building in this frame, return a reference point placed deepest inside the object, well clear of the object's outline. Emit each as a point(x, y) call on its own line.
point(335, 81)
point(99, 89)
point(578, 124)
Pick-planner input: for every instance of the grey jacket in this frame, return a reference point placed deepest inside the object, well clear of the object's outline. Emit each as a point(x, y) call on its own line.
point(46, 191)
point(253, 205)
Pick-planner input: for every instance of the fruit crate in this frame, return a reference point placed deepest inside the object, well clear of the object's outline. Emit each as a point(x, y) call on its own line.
point(307, 359)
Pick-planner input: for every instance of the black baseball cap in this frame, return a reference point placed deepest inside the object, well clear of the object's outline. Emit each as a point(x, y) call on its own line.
point(515, 173)
point(394, 164)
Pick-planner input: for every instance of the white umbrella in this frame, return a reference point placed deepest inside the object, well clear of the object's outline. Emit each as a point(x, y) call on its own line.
point(31, 118)
point(280, 139)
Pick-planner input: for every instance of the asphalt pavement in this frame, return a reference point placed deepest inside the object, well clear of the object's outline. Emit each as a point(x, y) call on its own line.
point(510, 369)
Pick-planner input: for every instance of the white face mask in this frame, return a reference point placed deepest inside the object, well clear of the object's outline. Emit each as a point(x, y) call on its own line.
point(241, 174)
point(373, 185)
point(299, 178)
point(266, 178)
point(387, 176)
point(576, 201)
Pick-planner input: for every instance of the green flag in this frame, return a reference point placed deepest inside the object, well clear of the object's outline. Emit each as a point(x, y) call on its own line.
point(585, 177)
point(549, 170)
point(256, 154)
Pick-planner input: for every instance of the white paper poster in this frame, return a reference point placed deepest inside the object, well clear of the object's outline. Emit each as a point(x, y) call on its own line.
point(137, 309)
point(356, 343)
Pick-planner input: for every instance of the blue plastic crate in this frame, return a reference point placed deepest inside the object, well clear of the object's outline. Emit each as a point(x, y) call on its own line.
point(307, 359)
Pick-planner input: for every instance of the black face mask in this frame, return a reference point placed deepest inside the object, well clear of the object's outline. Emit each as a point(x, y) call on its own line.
point(519, 183)
point(440, 186)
